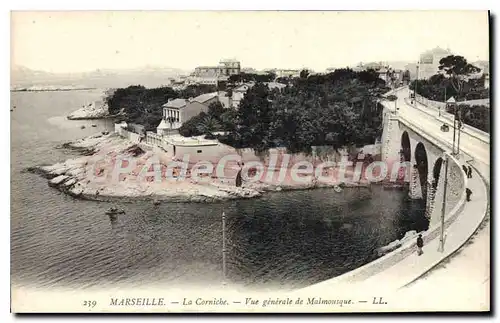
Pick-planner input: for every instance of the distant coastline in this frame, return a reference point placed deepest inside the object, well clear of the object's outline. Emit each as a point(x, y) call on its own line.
point(50, 89)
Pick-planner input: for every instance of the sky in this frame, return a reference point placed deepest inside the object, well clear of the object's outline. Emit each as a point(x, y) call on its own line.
point(78, 41)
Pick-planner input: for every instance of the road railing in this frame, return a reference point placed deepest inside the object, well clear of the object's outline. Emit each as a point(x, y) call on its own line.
point(440, 108)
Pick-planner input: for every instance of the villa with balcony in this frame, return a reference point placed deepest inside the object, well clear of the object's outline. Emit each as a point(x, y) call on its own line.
point(178, 111)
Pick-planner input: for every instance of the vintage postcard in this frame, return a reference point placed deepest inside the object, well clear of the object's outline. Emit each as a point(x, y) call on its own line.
point(250, 161)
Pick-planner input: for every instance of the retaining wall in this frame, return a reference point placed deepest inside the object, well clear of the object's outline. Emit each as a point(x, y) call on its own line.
point(408, 248)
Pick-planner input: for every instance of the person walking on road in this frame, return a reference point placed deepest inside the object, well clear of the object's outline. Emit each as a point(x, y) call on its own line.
point(420, 245)
point(469, 173)
point(468, 193)
point(466, 170)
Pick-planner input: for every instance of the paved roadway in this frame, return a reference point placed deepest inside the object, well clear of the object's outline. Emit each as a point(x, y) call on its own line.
point(472, 146)
point(467, 273)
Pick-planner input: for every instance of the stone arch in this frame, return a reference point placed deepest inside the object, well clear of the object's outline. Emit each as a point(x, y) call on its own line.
point(436, 172)
point(405, 147)
point(421, 163)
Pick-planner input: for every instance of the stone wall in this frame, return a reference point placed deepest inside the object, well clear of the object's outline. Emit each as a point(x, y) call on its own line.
point(123, 132)
point(453, 210)
point(456, 187)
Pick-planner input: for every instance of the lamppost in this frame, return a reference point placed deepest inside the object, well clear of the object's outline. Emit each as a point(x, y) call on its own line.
point(444, 101)
point(416, 83)
point(443, 206)
point(452, 104)
point(223, 248)
point(459, 122)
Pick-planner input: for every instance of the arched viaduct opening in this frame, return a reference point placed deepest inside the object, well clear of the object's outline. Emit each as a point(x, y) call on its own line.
point(436, 172)
point(422, 166)
point(405, 147)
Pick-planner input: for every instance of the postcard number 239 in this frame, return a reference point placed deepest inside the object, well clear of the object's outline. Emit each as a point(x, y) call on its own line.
point(90, 304)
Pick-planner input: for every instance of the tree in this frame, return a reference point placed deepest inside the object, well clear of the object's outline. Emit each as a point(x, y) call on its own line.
point(304, 74)
point(338, 109)
point(208, 125)
point(216, 109)
point(457, 70)
point(194, 90)
point(190, 127)
point(228, 119)
point(140, 105)
point(235, 79)
point(253, 117)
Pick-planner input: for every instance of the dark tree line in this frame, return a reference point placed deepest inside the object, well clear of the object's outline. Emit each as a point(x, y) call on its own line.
point(139, 104)
point(251, 77)
point(437, 86)
point(193, 90)
point(143, 106)
point(477, 116)
point(338, 109)
point(453, 80)
point(216, 119)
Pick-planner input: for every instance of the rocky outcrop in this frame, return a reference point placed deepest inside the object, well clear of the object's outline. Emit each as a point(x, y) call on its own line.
point(75, 177)
point(388, 248)
point(408, 237)
point(94, 175)
point(56, 181)
point(94, 110)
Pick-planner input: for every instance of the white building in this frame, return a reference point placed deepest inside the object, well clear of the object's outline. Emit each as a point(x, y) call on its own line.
point(178, 111)
point(287, 73)
point(429, 62)
point(239, 92)
point(211, 75)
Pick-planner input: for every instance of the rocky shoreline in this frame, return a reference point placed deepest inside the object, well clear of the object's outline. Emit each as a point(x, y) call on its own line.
point(74, 177)
point(94, 110)
point(79, 177)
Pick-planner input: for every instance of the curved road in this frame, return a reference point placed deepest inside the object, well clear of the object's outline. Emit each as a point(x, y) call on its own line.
point(471, 146)
point(458, 282)
point(467, 273)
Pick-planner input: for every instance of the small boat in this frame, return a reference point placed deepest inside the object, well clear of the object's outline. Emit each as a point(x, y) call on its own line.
point(337, 189)
point(11, 110)
point(94, 125)
point(114, 211)
point(156, 202)
point(82, 127)
point(105, 132)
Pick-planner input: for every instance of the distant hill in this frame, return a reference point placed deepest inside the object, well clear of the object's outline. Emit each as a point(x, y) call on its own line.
point(148, 76)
